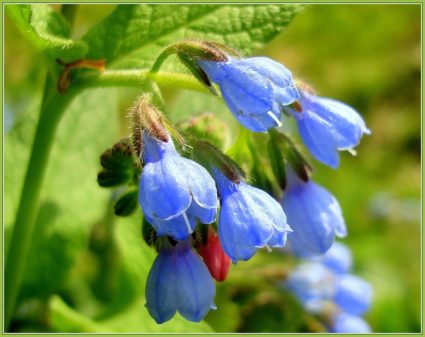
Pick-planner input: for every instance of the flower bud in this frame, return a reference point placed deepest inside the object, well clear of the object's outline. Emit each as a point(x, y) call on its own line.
point(215, 258)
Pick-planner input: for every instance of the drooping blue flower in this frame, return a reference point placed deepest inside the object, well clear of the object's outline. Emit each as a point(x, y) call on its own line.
point(179, 281)
point(338, 258)
point(353, 294)
point(327, 126)
point(346, 323)
point(313, 284)
point(254, 89)
point(174, 192)
point(249, 219)
point(314, 215)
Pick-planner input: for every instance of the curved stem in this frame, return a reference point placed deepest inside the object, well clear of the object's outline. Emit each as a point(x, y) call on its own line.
point(162, 57)
point(136, 78)
point(51, 113)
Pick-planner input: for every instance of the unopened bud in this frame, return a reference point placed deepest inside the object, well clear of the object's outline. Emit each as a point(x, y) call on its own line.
point(206, 126)
point(216, 260)
point(146, 117)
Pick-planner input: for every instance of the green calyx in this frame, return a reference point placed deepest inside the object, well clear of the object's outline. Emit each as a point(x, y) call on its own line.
point(212, 158)
point(282, 151)
point(190, 52)
point(119, 165)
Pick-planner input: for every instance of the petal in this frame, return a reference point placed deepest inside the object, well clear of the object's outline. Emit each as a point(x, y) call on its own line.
point(347, 125)
point(204, 215)
point(287, 95)
point(338, 258)
point(163, 190)
point(353, 294)
point(346, 323)
point(179, 227)
point(270, 69)
point(270, 119)
point(334, 212)
point(245, 213)
point(201, 184)
point(249, 217)
point(312, 283)
point(249, 93)
point(308, 216)
point(278, 239)
point(284, 88)
point(230, 243)
point(216, 71)
point(160, 298)
point(195, 289)
point(317, 137)
point(154, 150)
point(249, 122)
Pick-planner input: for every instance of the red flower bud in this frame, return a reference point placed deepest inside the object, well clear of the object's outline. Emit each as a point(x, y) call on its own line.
point(217, 261)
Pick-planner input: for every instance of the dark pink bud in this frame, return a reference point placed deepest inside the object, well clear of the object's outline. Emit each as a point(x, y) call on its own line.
point(217, 261)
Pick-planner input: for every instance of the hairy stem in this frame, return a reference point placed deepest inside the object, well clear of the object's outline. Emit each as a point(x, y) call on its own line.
point(136, 78)
point(51, 113)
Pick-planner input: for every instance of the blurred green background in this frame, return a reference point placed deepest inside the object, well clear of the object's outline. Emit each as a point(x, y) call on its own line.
point(365, 55)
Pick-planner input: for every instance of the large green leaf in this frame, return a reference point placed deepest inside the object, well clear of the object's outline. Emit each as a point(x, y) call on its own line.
point(133, 35)
point(47, 30)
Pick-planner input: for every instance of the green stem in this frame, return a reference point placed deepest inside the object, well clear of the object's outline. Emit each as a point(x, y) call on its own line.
point(51, 113)
point(136, 78)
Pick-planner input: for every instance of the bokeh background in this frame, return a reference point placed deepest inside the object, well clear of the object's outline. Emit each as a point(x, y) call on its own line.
point(368, 56)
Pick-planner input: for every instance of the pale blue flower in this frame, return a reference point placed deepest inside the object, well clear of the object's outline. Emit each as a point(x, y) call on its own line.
point(327, 126)
point(254, 89)
point(346, 323)
point(179, 281)
point(249, 219)
point(174, 192)
point(313, 285)
point(338, 258)
point(314, 215)
point(353, 294)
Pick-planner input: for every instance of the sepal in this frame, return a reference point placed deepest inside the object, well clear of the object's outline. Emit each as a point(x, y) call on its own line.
point(126, 204)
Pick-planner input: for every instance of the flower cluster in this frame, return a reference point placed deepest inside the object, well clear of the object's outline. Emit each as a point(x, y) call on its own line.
point(202, 210)
point(323, 284)
point(176, 194)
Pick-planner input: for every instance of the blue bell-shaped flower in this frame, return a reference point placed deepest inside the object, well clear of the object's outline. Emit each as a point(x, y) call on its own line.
point(249, 219)
point(353, 294)
point(346, 323)
point(313, 284)
point(179, 281)
point(327, 126)
point(174, 192)
point(314, 215)
point(254, 89)
point(338, 258)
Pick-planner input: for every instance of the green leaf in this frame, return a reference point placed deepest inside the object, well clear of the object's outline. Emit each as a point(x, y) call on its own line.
point(71, 200)
point(47, 30)
point(63, 318)
point(134, 35)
